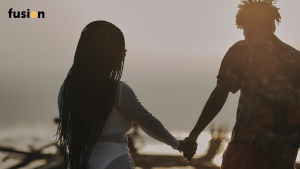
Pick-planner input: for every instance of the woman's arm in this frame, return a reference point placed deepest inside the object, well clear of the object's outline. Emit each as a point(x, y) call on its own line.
point(133, 109)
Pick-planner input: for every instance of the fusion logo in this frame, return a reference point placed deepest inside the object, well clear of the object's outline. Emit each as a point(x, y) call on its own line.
point(26, 14)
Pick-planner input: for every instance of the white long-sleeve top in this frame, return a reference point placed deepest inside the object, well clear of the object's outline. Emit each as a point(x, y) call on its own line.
point(128, 109)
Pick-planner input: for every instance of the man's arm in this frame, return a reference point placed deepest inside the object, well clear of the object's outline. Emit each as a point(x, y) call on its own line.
point(212, 107)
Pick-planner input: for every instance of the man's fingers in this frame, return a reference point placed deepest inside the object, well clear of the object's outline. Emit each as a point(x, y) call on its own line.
point(188, 156)
point(189, 159)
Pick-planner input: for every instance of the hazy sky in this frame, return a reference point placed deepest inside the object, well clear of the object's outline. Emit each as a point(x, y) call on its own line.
point(174, 52)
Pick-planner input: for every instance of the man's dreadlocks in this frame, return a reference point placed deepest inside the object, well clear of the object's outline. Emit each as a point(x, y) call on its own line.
point(257, 14)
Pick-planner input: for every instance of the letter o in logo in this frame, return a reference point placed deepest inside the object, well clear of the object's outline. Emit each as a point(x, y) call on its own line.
point(33, 14)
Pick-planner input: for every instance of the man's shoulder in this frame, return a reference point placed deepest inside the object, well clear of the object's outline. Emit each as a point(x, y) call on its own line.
point(289, 50)
point(240, 43)
point(239, 46)
point(294, 50)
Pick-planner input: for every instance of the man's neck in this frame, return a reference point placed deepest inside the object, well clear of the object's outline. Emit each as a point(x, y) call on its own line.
point(258, 35)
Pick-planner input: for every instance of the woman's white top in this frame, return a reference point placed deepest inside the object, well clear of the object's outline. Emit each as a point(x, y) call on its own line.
point(126, 109)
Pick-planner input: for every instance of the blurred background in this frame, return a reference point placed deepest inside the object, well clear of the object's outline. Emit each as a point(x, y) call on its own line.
point(174, 52)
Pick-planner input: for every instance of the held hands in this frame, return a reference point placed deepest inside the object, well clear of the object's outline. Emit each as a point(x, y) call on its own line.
point(188, 147)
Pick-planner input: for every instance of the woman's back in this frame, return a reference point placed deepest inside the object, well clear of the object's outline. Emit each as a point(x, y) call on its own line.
point(117, 122)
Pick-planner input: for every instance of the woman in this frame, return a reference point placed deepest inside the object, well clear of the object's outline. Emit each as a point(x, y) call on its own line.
point(97, 109)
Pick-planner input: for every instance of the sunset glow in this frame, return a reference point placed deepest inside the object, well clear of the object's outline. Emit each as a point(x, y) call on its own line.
point(174, 53)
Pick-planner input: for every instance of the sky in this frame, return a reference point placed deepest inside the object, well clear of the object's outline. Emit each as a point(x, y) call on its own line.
point(175, 48)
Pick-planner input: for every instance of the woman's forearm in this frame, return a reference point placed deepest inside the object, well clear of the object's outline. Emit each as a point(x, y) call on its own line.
point(131, 107)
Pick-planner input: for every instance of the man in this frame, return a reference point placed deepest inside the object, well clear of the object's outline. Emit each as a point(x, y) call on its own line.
point(266, 134)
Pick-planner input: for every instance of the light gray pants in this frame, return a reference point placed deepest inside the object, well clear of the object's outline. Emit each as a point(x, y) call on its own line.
point(122, 162)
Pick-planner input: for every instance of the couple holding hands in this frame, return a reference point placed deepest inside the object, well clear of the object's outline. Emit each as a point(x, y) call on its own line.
point(97, 109)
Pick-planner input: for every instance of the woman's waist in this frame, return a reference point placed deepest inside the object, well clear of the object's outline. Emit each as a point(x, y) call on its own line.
point(116, 123)
point(115, 137)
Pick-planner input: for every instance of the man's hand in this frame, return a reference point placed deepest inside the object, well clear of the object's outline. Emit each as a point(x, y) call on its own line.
point(188, 147)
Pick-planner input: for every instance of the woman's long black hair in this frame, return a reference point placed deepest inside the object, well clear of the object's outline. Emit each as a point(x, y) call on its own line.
point(88, 92)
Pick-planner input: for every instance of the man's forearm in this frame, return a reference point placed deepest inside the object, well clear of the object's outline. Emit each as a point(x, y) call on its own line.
point(212, 107)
